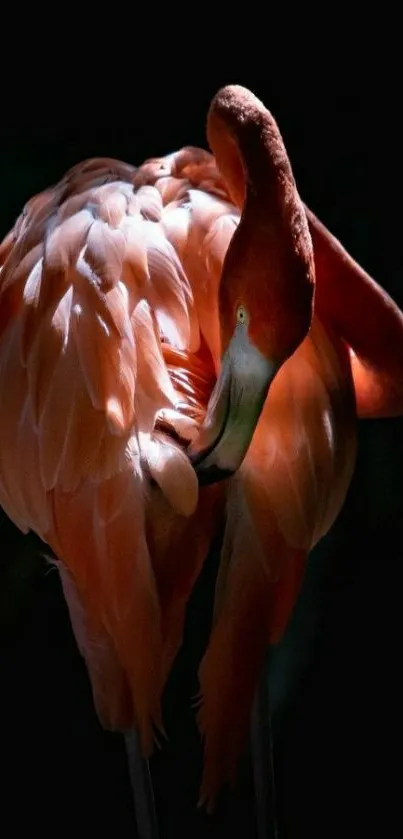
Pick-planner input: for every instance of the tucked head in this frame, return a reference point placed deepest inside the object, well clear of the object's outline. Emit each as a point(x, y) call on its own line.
point(267, 283)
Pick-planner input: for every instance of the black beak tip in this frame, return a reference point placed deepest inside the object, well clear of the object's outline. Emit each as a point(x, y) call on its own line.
point(212, 474)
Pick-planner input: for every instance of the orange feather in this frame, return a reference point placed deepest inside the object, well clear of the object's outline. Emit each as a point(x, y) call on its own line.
point(110, 345)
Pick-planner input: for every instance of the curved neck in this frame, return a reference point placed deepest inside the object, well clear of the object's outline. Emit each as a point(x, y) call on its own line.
point(248, 147)
point(270, 255)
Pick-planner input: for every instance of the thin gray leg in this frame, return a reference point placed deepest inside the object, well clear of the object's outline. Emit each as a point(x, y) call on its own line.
point(142, 789)
point(262, 759)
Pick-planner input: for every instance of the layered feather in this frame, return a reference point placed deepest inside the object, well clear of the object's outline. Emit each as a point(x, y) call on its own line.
point(111, 373)
point(109, 350)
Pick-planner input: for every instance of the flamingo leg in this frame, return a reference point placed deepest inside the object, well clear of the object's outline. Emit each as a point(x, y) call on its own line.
point(262, 760)
point(142, 789)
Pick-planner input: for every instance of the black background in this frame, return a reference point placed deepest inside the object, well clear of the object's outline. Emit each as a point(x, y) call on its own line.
point(335, 678)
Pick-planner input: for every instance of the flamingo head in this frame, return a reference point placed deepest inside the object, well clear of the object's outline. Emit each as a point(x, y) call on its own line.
point(266, 292)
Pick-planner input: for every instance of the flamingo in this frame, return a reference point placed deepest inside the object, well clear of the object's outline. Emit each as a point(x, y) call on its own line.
point(183, 346)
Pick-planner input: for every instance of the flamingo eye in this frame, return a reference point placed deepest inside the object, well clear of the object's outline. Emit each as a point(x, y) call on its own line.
point(241, 315)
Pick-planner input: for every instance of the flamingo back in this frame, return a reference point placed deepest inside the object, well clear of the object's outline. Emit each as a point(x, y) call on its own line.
point(107, 363)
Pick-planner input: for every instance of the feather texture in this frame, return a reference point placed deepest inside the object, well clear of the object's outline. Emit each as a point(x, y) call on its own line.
point(98, 323)
point(110, 347)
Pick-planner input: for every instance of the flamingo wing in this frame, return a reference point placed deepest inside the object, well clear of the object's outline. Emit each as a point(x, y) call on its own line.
point(92, 293)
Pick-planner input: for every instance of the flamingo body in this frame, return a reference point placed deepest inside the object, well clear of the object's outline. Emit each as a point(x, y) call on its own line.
point(110, 348)
point(111, 376)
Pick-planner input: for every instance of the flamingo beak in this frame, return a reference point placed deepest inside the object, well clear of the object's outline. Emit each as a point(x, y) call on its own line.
point(233, 410)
